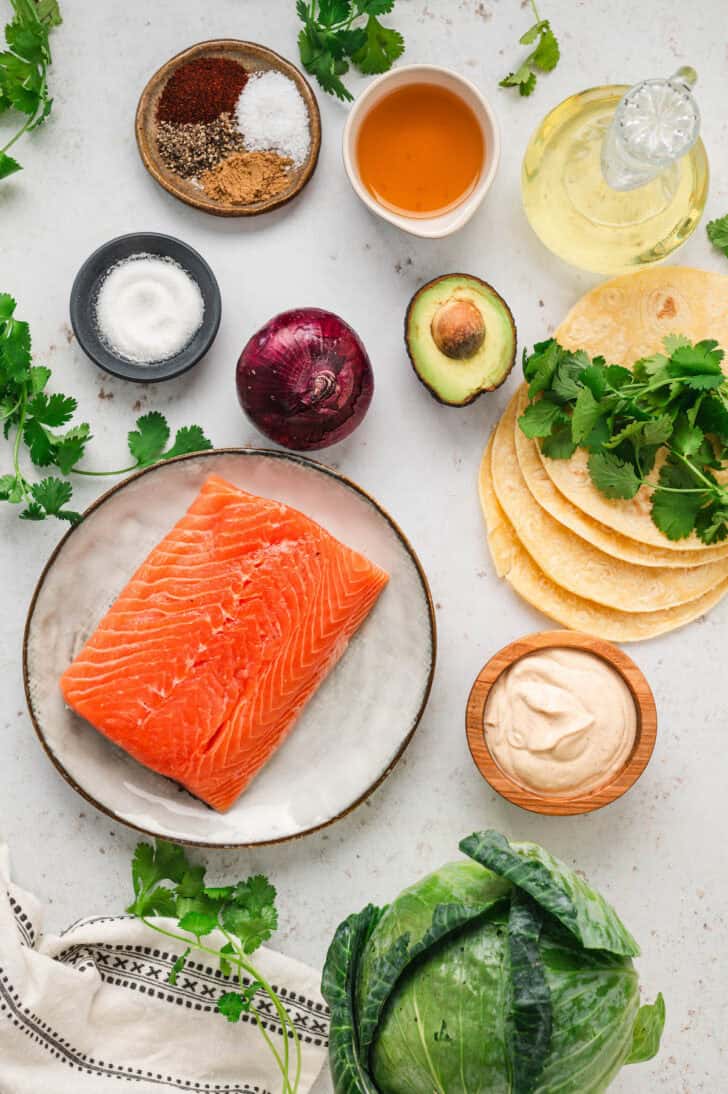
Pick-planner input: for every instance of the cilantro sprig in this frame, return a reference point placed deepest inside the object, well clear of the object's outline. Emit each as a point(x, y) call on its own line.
point(718, 233)
point(673, 405)
point(34, 421)
point(167, 884)
point(330, 42)
point(24, 70)
point(543, 57)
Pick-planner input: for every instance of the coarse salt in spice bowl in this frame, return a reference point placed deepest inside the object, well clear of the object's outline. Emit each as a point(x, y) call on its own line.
point(229, 127)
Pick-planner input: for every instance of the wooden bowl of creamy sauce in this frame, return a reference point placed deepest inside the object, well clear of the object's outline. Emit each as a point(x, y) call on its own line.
point(561, 723)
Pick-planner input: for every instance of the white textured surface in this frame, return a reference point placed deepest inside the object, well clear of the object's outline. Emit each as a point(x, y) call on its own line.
point(658, 853)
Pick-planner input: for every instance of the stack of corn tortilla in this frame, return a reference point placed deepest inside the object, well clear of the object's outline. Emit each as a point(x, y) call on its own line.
point(590, 563)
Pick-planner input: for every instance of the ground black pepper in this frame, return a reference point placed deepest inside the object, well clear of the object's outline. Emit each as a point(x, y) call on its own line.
point(191, 149)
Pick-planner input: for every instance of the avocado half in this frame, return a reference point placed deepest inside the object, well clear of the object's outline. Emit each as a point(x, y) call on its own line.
point(461, 338)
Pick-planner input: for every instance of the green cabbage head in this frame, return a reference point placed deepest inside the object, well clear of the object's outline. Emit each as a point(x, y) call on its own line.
point(504, 973)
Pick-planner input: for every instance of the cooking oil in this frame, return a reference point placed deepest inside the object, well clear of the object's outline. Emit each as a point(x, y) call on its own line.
point(644, 140)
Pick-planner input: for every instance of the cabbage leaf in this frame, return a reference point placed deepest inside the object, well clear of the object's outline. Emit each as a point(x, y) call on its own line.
point(421, 916)
point(556, 888)
point(338, 986)
point(647, 1032)
point(444, 1027)
point(594, 1001)
point(530, 1038)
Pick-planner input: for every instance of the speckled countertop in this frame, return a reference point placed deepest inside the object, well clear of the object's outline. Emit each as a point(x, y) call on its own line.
point(658, 852)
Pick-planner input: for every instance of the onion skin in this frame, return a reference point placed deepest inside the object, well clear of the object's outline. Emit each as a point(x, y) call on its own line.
point(305, 379)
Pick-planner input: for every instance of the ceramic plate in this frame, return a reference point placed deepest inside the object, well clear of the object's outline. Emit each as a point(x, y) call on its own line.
point(352, 732)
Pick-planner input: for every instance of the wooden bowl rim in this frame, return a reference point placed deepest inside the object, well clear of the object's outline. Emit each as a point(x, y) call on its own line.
point(552, 805)
point(166, 178)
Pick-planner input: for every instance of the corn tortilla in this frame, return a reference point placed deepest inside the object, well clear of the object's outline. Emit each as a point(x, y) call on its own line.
point(576, 565)
point(625, 319)
point(513, 563)
point(612, 543)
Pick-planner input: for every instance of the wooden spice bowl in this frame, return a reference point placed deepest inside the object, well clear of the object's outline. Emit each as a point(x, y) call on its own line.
point(554, 805)
point(253, 58)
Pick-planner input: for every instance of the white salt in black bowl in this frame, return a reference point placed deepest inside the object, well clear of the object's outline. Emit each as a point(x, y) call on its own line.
point(86, 290)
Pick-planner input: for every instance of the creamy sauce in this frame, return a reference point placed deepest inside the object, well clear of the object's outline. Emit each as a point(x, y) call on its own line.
point(560, 722)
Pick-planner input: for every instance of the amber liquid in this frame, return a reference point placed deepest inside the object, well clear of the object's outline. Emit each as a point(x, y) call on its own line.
point(420, 150)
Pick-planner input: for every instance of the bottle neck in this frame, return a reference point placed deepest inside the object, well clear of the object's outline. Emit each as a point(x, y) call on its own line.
point(655, 124)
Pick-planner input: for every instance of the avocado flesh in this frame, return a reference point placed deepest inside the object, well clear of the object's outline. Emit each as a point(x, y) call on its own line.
point(458, 381)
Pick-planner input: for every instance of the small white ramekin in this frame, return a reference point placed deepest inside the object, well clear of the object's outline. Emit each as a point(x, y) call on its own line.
point(445, 224)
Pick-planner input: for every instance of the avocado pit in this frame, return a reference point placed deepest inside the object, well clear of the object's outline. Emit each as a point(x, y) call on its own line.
point(458, 329)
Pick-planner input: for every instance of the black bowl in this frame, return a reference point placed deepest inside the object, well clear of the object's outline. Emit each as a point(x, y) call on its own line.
point(86, 288)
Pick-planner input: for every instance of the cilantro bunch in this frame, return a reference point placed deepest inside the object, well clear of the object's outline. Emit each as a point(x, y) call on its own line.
point(543, 57)
point(243, 914)
point(663, 425)
point(24, 70)
point(34, 420)
point(330, 41)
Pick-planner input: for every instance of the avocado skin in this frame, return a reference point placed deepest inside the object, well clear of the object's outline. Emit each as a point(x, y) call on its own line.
point(412, 354)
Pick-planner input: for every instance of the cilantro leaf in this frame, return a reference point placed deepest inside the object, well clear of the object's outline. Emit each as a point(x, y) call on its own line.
point(198, 924)
point(34, 511)
point(711, 523)
point(543, 58)
point(256, 893)
point(686, 438)
point(53, 494)
point(193, 883)
point(560, 445)
point(39, 443)
point(8, 166)
point(374, 7)
point(251, 925)
point(718, 233)
point(383, 47)
point(675, 509)
point(540, 367)
point(53, 410)
point(539, 418)
point(150, 865)
point(587, 412)
point(333, 11)
point(148, 441)
point(547, 53)
point(615, 478)
point(7, 306)
point(232, 1005)
point(69, 448)
point(189, 439)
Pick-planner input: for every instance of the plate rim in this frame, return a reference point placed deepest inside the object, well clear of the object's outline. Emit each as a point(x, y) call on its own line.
point(291, 457)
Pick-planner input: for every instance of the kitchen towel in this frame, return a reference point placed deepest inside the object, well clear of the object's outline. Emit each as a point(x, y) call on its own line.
point(90, 1011)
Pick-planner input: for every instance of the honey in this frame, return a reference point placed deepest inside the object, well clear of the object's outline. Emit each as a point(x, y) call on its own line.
point(420, 150)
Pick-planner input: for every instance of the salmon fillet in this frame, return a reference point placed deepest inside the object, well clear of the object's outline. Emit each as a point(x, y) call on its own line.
point(202, 665)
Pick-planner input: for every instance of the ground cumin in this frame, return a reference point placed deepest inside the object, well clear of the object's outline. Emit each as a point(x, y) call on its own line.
point(248, 177)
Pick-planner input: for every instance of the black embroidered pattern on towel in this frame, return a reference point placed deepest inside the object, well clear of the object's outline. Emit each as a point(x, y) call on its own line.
point(145, 970)
point(40, 1032)
point(23, 922)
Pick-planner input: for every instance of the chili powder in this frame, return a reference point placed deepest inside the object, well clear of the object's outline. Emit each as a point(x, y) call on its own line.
point(201, 90)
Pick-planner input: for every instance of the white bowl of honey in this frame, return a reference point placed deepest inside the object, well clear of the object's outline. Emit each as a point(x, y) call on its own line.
point(421, 149)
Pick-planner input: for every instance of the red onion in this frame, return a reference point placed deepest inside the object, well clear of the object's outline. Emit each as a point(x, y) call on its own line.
point(305, 379)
